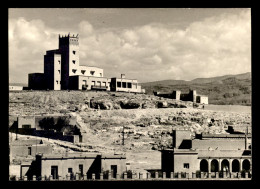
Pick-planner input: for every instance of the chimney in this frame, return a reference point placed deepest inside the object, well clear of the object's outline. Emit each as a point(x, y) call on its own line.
point(122, 76)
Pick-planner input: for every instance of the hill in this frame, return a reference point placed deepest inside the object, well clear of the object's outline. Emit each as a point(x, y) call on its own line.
point(222, 90)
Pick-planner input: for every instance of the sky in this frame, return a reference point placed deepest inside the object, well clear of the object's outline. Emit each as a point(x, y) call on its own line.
point(147, 44)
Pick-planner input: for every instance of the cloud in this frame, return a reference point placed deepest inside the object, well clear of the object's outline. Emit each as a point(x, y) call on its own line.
point(211, 47)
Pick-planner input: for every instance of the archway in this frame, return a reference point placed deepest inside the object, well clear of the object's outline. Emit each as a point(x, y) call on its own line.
point(214, 165)
point(246, 165)
point(235, 165)
point(225, 165)
point(204, 166)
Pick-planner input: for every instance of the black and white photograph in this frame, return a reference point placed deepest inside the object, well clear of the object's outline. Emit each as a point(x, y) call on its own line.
point(129, 94)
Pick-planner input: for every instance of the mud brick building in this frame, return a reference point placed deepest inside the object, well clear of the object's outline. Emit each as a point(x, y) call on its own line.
point(62, 71)
point(62, 166)
point(209, 154)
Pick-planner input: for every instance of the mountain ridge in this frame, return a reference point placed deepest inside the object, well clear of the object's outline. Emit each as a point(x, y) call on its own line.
point(246, 75)
point(221, 90)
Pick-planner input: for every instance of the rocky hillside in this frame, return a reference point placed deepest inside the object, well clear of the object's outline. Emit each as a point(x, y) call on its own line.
point(145, 121)
point(224, 90)
point(41, 102)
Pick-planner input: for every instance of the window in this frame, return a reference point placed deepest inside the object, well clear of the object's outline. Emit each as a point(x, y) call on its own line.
point(59, 71)
point(29, 150)
point(73, 61)
point(119, 84)
point(93, 83)
point(124, 84)
point(81, 169)
point(57, 81)
point(100, 74)
point(59, 61)
point(69, 170)
point(83, 71)
point(74, 52)
point(129, 85)
point(26, 126)
point(74, 70)
point(186, 165)
point(98, 83)
point(92, 72)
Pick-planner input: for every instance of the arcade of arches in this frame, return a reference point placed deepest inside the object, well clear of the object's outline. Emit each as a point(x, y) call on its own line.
point(226, 165)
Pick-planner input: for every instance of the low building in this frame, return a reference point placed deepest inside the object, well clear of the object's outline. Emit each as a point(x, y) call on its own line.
point(125, 85)
point(60, 166)
point(206, 155)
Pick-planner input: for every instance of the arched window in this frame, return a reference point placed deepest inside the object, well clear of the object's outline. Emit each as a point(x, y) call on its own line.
point(235, 165)
point(204, 166)
point(246, 165)
point(225, 165)
point(214, 165)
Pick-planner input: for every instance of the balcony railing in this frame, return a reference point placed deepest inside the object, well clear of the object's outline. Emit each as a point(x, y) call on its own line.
point(98, 87)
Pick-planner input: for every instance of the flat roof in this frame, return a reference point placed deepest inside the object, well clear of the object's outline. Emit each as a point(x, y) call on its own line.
point(123, 78)
point(69, 155)
point(82, 155)
point(113, 156)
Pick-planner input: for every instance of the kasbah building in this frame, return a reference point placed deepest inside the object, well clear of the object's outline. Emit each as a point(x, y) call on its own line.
point(62, 71)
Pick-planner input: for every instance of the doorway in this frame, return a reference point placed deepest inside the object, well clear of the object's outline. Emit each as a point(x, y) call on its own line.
point(113, 171)
point(54, 172)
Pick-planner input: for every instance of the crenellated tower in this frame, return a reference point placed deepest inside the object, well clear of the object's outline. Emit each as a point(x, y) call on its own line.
point(69, 49)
